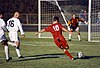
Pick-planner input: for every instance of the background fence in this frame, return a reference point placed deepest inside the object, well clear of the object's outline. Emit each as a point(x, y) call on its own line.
point(29, 11)
point(30, 22)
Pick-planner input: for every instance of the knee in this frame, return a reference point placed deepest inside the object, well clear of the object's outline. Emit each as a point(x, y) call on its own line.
point(78, 32)
point(67, 47)
point(71, 30)
point(17, 45)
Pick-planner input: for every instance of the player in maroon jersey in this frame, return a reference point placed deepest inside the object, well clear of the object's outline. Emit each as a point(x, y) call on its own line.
point(56, 30)
point(74, 26)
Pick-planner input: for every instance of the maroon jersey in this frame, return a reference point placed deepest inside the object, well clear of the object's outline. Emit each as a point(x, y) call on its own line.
point(74, 22)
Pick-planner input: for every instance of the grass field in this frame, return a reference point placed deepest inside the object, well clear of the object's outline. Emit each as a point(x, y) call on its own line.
point(43, 53)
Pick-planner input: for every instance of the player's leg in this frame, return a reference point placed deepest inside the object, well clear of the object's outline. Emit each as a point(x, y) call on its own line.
point(16, 42)
point(16, 45)
point(18, 48)
point(78, 31)
point(11, 43)
point(65, 48)
point(70, 34)
point(68, 54)
point(6, 50)
point(4, 41)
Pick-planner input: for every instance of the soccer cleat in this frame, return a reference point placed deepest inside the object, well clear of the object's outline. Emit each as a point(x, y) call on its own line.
point(80, 40)
point(69, 40)
point(21, 57)
point(7, 60)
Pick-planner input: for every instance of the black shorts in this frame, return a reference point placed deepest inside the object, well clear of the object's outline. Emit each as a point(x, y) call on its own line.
point(73, 27)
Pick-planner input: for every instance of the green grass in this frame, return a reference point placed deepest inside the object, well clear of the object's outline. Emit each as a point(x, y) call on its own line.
point(43, 53)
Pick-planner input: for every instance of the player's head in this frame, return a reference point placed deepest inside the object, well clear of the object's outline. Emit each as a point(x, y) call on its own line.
point(16, 14)
point(73, 16)
point(55, 18)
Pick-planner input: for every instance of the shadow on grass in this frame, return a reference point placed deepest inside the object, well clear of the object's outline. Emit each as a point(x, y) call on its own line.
point(88, 57)
point(47, 56)
point(42, 56)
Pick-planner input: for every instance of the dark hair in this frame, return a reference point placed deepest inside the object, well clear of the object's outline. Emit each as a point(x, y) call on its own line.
point(55, 18)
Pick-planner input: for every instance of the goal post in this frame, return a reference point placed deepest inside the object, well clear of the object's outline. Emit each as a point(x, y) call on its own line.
point(89, 20)
point(94, 21)
point(46, 10)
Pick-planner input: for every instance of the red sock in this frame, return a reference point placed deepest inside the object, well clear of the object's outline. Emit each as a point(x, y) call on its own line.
point(68, 54)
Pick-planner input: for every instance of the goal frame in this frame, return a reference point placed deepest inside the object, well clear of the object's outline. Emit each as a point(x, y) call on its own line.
point(89, 20)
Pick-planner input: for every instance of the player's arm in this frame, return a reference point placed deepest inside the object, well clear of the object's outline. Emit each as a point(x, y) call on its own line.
point(65, 29)
point(80, 19)
point(43, 30)
point(62, 27)
point(20, 28)
point(4, 26)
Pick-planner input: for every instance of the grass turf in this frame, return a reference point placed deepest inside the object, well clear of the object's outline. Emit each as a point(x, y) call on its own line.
point(43, 53)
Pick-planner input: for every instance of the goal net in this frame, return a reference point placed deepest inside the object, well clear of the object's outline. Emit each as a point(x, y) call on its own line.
point(94, 21)
point(49, 8)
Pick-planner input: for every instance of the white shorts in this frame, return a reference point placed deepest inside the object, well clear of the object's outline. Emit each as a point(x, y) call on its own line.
point(13, 36)
point(3, 37)
point(77, 29)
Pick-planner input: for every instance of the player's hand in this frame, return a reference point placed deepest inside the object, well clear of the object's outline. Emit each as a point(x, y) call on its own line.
point(86, 22)
point(23, 35)
point(36, 33)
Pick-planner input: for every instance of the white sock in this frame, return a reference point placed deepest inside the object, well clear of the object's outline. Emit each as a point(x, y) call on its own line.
point(70, 36)
point(79, 37)
point(6, 49)
point(18, 52)
point(12, 44)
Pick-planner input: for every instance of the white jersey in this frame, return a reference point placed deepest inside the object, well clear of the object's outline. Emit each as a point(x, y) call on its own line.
point(13, 25)
point(2, 25)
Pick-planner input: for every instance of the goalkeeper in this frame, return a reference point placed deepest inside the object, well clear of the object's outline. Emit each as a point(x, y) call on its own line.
point(74, 26)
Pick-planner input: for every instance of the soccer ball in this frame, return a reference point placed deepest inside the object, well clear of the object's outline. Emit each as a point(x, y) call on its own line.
point(80, 55)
